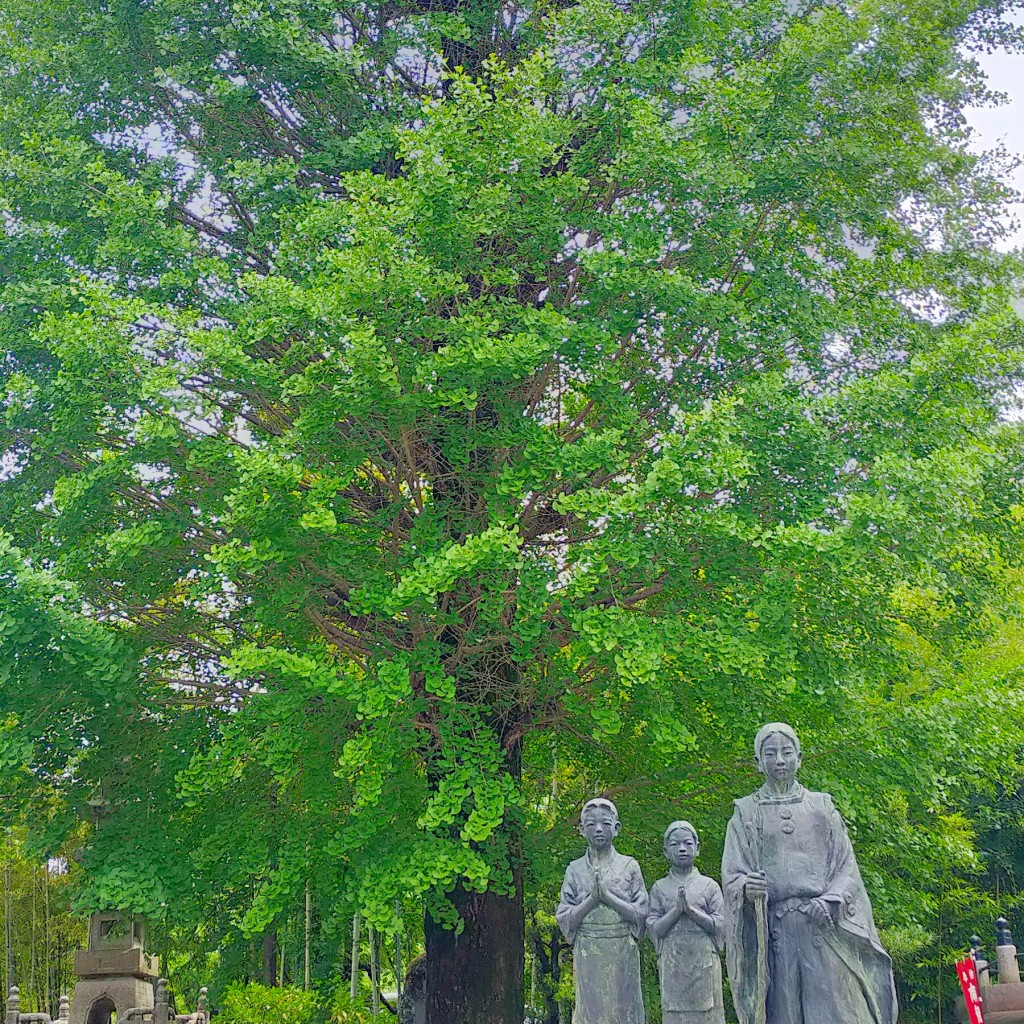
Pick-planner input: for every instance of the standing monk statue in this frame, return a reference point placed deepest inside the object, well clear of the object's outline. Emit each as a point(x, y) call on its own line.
point(603, 912)
point(814, 957)
point(686, 923)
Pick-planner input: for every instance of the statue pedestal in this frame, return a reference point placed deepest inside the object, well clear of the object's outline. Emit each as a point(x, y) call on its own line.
point(1003, 1004)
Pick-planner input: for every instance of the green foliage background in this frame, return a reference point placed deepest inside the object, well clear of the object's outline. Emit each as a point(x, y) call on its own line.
point(38, 930)
point(254, 1004)
point(393, 392)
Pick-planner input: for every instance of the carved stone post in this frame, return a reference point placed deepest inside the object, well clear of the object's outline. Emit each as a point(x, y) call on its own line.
point(13, 1006)
point(980, 963)
point(161, 1003)
point(1006, 954)
point(202, 1012)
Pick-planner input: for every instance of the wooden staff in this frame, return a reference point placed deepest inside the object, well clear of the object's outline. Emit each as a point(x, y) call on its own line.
point(761, 923)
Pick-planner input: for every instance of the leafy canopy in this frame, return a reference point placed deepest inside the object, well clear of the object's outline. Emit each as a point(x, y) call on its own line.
point(391, 385)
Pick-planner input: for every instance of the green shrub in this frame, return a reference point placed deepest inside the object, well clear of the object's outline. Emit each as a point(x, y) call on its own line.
point(348, 1011)
point(256, 1004)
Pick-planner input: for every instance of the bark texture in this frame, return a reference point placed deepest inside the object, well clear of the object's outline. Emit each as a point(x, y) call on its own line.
point(476, 977)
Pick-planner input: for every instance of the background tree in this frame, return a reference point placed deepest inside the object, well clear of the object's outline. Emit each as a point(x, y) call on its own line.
point(403, 385)
point(39, 929)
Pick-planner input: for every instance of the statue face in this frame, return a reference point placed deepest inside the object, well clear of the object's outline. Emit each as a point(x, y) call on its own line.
point(779, 758)
point(681, 848)
point(600, 827)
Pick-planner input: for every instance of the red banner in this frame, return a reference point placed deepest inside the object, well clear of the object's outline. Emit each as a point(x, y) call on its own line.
point(968, 975)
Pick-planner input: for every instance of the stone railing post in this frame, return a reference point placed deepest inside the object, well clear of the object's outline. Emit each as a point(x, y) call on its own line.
point(980, 963)
point(202, 1013)
point(161, 1003)
point(1006, 954)
point(13, 1006)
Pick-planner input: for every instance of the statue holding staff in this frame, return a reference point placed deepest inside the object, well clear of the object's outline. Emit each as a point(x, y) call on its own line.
point(602, 912)
point(788, 846)
point(686, 923)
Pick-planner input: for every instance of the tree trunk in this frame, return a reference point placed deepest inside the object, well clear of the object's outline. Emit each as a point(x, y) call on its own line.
point(477, 977)
point(547, 947)
point(270, 959)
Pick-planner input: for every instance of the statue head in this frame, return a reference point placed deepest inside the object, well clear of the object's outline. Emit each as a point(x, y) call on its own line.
point(681, 844)
point(599, 823)
point(777, 752)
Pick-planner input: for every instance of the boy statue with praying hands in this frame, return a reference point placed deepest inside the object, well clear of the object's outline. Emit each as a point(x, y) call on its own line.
point(602, 913)
point(686, 922)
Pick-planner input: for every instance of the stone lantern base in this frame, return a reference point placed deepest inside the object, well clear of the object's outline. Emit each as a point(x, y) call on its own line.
point(111, 981)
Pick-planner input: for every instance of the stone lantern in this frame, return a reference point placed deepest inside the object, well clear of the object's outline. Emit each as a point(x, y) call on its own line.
point(115, 974)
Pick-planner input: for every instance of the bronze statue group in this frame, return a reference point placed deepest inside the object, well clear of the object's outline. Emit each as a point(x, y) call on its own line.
point(795, 920)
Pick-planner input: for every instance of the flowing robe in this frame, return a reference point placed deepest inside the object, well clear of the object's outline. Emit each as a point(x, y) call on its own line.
point(606, 957)
point(689, 958)
point(836, 974)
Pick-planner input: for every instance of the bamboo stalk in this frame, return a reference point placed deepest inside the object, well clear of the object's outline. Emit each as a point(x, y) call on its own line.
point(374, 979)
point(354, 977)
point(305, 974)
point(398, 950)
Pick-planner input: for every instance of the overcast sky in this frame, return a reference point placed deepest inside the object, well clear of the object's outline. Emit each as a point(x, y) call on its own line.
point(1006, 123)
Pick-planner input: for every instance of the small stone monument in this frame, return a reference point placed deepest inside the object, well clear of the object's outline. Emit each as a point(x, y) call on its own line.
point(1003, 999)
point(115, 973)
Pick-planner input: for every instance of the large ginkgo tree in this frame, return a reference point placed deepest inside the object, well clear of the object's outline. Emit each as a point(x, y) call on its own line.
point(390, 382)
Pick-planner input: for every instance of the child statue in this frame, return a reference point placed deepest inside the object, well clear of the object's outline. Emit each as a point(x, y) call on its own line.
point(602, 912)
point(686, 923)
